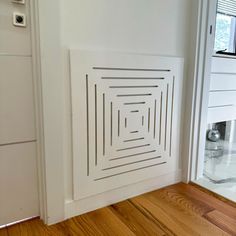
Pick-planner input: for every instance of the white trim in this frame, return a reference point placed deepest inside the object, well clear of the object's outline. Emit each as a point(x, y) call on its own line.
point(52, 84)
point(75, 208)
point(194, 147)
point(38, 107)
point(204, 74)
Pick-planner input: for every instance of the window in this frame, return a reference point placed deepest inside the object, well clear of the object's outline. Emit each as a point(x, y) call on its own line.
point(225, 35)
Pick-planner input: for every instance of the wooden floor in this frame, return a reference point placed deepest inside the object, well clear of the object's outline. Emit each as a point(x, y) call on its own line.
point(176, 210)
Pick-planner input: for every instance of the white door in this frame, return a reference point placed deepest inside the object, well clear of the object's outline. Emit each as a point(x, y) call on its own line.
point(18, 172)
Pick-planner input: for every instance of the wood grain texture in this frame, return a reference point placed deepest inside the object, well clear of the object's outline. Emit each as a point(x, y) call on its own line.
point(3, 232)
point(222, 221)
point(211, 199)
point(137, 222)
point(175, 210)
point(180, 212)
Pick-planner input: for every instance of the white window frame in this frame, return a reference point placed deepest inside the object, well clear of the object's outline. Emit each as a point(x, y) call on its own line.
point(194, 147)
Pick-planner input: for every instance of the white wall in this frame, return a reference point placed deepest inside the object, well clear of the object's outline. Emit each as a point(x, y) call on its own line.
point(153, 27)
point(158, 27)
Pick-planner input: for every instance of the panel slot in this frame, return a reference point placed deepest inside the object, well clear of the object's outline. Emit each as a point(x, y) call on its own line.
point(131, 140)
point(104, 123)
point(171, 119)
point(154, 125)
point(161, 101)
point(134, 103)
point(118, 123)
point(149, 110)
point(96, 126)
point(87, 113)
point(134, 132)
point(134, 95)
point(125, 172)
point(131, 163)
point(132, 155)
point(129, 148)
point(167, 101)
point(142, 86)
point(111, 121)
point(134, 78)
point(130, 69)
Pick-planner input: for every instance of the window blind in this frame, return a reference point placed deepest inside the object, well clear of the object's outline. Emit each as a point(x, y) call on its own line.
point(227, 7)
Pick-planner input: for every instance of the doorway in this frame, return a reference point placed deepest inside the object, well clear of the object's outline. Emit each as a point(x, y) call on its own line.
point(19, 197)
point(216, 157)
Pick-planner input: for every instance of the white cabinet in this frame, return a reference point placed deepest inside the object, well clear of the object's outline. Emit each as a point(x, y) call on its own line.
point(14, 40)
point(222, 94)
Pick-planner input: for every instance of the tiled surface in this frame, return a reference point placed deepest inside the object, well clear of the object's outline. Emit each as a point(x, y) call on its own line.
point(220, 170)
point(221, 167)
point(227, 190)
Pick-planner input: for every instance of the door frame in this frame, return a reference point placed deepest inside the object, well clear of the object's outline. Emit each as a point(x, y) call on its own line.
point(197, 121)
point(49, 105)
point(37, 83)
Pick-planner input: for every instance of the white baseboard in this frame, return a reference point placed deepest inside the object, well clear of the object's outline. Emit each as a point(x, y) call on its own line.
point(75, 208)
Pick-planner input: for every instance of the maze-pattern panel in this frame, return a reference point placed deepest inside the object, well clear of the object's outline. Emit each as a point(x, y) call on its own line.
point(122, 122)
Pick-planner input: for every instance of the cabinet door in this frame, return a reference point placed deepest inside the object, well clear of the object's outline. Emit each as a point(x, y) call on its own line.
point(16, 100)
point(18, 169)
point(14, 40)
point(18, 182)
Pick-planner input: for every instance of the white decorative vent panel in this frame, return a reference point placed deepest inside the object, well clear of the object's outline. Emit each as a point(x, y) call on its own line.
point(125, 116)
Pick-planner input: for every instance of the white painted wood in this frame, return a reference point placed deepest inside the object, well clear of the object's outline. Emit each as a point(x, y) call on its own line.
point(37, 82)
point(223, 65)
point(191, 107)
point(199, 88)
point(110, 90)
point(222, 93)
point(223, 98)
point(223, 82)
point(18, 148)
point(219, 114)
point(18, 182)
point(75, 208)
point(14, 40)
point(53, 108)
point(204, 71)
point(17, 120)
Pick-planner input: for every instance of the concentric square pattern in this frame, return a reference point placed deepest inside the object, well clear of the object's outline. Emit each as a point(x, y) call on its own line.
point(123, 115)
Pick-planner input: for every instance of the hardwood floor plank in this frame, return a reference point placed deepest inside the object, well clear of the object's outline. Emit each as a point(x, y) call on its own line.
point(175, 210)
point(63, 229)
point(183, 211)
point(154, 212)
point(222, 221)
point(34, 227)
point(138, 223)
point(3, 232)
point(183, 221)
point(82, 225)
point(175, 195)
point(108, 223)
